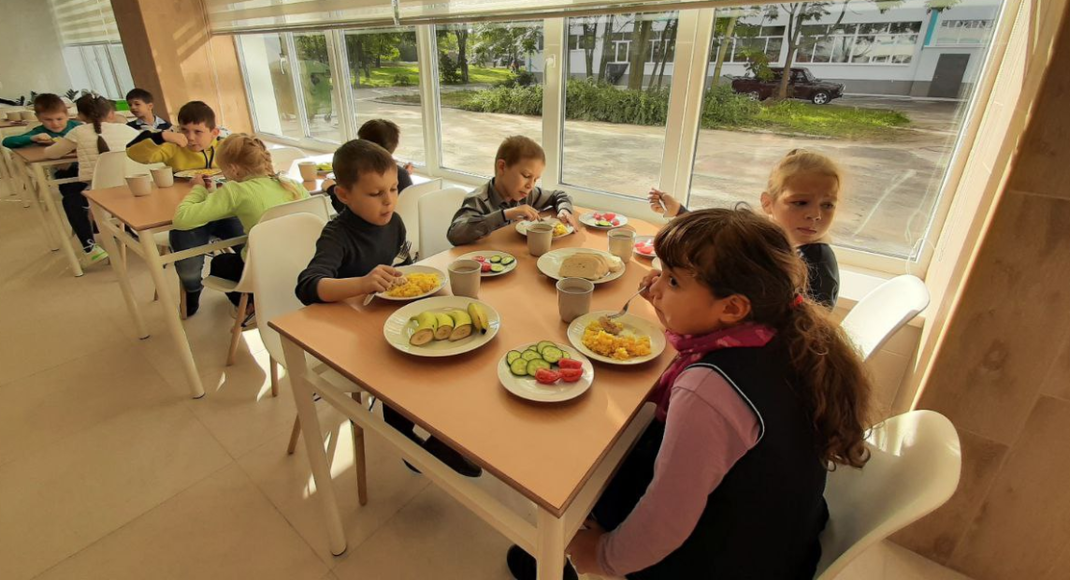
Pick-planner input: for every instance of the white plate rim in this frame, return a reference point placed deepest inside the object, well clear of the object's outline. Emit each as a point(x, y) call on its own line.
point(488, 253)
point(587, 219)
point(542, 266)
point(575, 337)
point(641, 255)
point(185, 173)
point(571, 230)
point(402, 315)
point(417, 269)
point(508, 380)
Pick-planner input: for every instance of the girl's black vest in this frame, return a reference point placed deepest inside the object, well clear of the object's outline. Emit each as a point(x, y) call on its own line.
point(763, 520)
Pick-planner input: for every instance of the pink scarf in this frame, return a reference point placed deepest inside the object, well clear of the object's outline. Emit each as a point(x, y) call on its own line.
point(691, 349)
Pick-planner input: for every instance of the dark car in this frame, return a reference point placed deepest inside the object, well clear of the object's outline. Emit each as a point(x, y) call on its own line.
point(801, 85)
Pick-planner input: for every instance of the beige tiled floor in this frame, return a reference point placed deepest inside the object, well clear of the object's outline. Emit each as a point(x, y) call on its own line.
point(109, 470)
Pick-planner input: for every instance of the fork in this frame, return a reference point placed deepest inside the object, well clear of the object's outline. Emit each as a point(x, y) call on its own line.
point(624, 310)
point(401, 258)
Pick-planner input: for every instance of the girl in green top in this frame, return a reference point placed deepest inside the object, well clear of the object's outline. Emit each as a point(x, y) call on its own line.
point(252, 188)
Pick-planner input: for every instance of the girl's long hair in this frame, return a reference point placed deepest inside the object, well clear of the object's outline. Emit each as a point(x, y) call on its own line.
point(94, 110)
point(735, 251)
point(249, 158)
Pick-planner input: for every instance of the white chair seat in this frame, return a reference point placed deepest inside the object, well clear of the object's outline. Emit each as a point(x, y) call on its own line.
point(162, 239)
point(884, 311)
point(221, 284)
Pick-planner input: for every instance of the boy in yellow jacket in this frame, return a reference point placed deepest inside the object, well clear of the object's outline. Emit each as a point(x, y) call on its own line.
point(193, 146)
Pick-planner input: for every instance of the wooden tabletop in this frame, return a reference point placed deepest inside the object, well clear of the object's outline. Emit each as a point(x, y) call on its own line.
point(5, 124)
point(545, 451)
point(36, 154)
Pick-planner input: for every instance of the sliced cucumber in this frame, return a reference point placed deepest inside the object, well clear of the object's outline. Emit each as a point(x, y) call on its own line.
point(495, 259)
point(542, 345)
point(530, 355)
point(506, 260)
point(535, 365)
point(497, 268)
point(511, 356)
point(519, 367)
point(564, 353)
point(551, 354)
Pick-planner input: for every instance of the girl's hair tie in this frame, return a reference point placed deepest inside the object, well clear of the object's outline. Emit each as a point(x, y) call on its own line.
point(798, 301)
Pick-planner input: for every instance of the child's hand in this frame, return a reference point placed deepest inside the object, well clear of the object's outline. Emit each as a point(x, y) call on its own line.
point(656, 197)
point(327, 184)
point(410, 168)
point(522, 212)
point(176, 138)
point(648, 281)
point(379, 280)
point(566, 217)
point(42, 138)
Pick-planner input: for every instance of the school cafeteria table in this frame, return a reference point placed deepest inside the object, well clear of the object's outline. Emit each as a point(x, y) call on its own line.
point(295, 172)
point(147, 216)
point(559, 456)
point(33, 167)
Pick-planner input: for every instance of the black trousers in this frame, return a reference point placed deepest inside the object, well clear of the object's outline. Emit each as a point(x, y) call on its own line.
point(399, 422)
point(76, 206)
point(229, 267)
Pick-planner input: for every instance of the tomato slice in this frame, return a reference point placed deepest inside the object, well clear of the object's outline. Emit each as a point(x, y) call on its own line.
point(615, 222)
point(547, 377)
point(609, 216)
point(485, 267)
point(480, 259)
point(597, 216)
point(567, 363)
point(571, 375)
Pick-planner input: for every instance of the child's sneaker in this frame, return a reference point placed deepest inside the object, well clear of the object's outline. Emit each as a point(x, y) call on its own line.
point(96, 254)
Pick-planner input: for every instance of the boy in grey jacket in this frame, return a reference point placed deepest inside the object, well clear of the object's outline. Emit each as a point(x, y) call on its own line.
point(510, 196)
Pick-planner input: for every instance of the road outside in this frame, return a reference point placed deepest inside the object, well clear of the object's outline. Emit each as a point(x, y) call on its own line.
point(890, 186)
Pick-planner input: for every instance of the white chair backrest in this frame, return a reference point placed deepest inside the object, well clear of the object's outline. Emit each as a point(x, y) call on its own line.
point(436, 211)
point(913, 470)
point(884, 311)
point(281, 248)
point(409, 208)
point(282, 158)
point(316, 204)
point(112, 168)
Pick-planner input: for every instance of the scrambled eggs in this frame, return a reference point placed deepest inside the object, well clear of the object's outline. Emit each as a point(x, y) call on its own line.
point(620, 347)
point(413, 285)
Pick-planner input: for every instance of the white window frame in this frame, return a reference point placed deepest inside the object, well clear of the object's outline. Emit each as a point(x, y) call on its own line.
point(692, 50)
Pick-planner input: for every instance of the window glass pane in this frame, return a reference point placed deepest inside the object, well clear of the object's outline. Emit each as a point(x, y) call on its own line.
point(122, 69)
point(93, 70)
point(490, 83)
point(385, 84)
point(76, 68)
point(269, 76)
point(893, 144)
point(619, 107)
point(107, 74)
point(317, 86)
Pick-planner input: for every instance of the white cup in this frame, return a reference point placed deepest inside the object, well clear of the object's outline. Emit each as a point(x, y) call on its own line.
point(464, 278)
point(28, 115)
point(308, 170)
point(140, 185)
point(14, 115)
point(540, 236)
point(621, 243)
point(574, 298)
point(163, 177)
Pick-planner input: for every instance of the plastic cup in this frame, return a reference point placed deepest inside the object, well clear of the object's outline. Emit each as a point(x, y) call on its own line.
point(163, 177)
point(28, 115)
point(140, 185)
point(464, 278)
point(574, 298)
point(308, 170)
point(540, 236)
point(621, 243)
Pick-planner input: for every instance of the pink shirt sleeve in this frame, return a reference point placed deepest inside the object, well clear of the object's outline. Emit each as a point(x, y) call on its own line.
point(708, 428)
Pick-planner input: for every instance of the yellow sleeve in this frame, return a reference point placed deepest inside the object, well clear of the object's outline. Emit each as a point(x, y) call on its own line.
point(148, 152)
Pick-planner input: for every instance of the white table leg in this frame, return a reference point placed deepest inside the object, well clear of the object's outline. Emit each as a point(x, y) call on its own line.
point(119, 267)
point(296, 371)
point(174, 322)
point(550, 548)
point(64, 239)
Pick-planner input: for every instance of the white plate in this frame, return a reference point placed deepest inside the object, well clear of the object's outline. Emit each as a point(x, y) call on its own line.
point(488, 254)
point(639, 240)
point(656, 264)
point(522, 227)
point(550, 263)
point(530, 389)
point(398, 328)
point(190, 173)
point(417, 270)
point(588, 220)
point(634, 324)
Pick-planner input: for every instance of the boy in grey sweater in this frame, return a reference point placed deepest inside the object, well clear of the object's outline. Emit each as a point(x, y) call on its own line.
point(510, 196)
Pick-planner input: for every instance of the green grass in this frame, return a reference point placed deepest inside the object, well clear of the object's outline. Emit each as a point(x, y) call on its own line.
point(387, 75)
point(830, 120)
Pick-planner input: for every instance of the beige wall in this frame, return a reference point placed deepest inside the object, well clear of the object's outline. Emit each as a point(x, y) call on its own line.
point(171, 54)
point(1001, 367)
point(32, 58)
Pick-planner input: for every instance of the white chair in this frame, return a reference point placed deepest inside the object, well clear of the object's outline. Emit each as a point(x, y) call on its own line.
point(316, 205)
point(914, 469)
point(436, 210)
point(884, 311)
point(282, 158)
point(409, 209)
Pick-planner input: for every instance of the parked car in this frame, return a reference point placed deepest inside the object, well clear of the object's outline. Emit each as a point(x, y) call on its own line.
point(801, 85)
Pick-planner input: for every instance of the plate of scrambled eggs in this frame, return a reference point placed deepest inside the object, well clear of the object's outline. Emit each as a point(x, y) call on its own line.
point(418, 282)
point(628, 340)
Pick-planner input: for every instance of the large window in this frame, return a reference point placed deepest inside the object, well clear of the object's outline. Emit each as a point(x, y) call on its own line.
point(385, 84)
point(490, 87)
point(269, 75)
point(101, 68)
point(964, 32)
point(617, 100)
point(317, 87)
point(894, 147)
